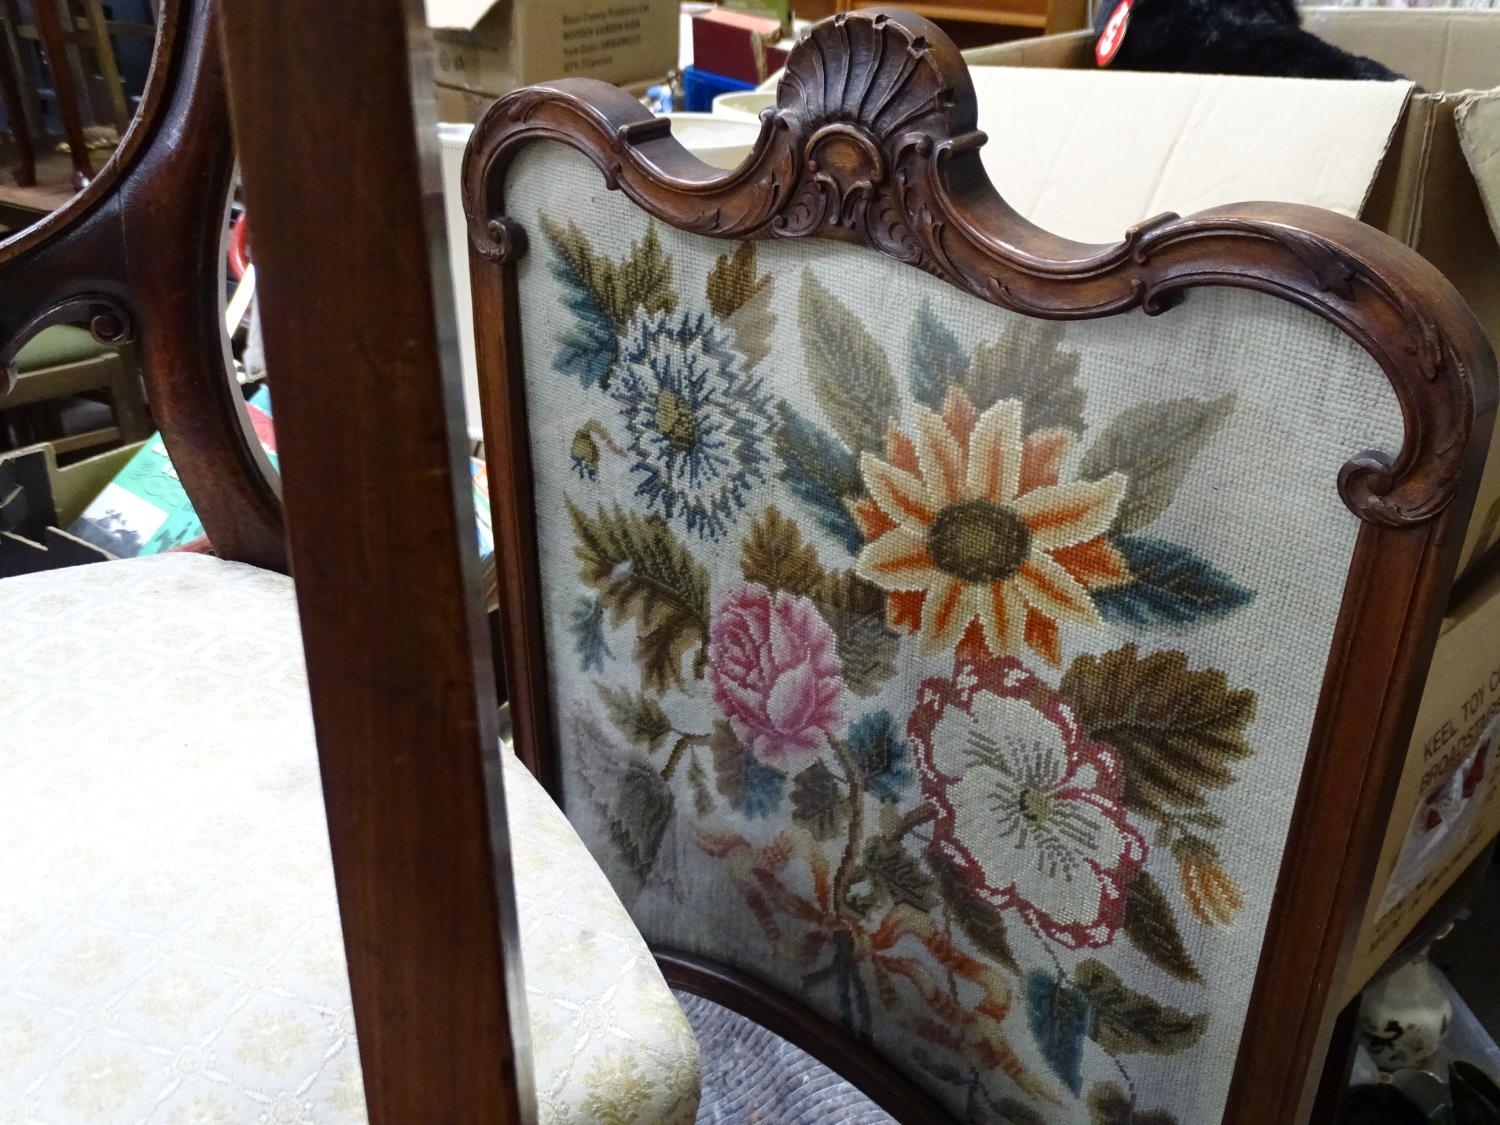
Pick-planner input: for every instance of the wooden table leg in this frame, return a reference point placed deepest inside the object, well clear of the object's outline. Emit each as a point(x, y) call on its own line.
point(15, 113)
point(109, 72)
point(55, 44)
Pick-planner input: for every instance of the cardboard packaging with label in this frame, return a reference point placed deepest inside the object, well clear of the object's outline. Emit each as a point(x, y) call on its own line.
point(490, 47)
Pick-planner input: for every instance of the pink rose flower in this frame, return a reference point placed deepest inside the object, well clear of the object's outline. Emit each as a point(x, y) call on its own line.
point(776, 673)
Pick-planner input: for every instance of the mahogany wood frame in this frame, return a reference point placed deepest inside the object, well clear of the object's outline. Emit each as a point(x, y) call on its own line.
point(873, 141)
point(369, 421)
point(135, 255)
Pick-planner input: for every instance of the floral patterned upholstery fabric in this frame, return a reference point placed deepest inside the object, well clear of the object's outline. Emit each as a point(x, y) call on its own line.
point(950, 670)
point(169, 935)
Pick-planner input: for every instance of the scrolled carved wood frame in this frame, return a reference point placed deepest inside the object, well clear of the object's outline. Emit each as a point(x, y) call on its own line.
point(873, 141)
point(138, 254)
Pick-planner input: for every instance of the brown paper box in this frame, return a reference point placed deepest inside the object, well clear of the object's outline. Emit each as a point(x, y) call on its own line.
point(1432, 180)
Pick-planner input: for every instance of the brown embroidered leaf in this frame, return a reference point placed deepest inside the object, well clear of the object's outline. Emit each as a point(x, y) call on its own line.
point(892, 873)
point(1109, 1105)
point(643, 572)
point(1150, 926)
point(855, 611)
point(640, 817)
point(1177, 731)
point(775, 555)
point(638, 717)
point(818, 802)
point(736, 295)
point(1154, 445)
point(751, 787)
point(1126, 1022)
point(849, 372)
point(642, 280)
point(1029, 363)
point(980, 922)
point(703, 799)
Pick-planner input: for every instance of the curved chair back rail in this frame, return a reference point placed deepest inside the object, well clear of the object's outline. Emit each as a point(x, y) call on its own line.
point(862, 744)
point(138, 255)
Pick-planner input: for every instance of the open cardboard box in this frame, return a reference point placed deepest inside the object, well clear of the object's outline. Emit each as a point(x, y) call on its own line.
point(1089, 153)
point(491, 47)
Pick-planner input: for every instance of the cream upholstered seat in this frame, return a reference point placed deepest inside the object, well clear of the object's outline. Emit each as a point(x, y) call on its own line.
point(169, 934)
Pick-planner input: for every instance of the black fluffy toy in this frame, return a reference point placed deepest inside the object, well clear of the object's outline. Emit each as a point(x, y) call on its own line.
point(1260, 37)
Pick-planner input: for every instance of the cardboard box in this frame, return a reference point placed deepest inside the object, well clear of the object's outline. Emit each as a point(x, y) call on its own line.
point(1448, 806)
point(495, 46)
point(737, 45)
point(1423, 166)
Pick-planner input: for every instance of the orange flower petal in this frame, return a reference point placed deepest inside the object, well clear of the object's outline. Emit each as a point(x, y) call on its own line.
point(901, 496)
point(945, 615)
point(1041, 458)
point(959, 415)
point(1046, 586)
point(971, 646)
point(940, 458)
point(1065, 514)
point(995, 455)
point(872, 522)
point(903, 609)
point(1095, 563)
point(1003, 615)
point(1042, 636)
point(899, 450)
point(898, 560)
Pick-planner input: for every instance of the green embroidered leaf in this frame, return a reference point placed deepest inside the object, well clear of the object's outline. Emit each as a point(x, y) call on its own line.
point(604, 297)
point(855, 611)
point(1126, 1022)
point(775, 555)
point(587, 349)
point(638, 717)
point(981, 923)
point(644, 281)
point(1177, 731)
point(1171, 588)
point(640, 817)
point(643, 572)
point(1154, 446)
point(821, 474)
point(703, 798)
point(1059, 1018)
point(1108, 1105)
point(876, 745)
point(737, 296)
point(1029, 363)
point(849, 372)
point(1150, 926)
point(893, 874)
point(749, 786)
point(937, 360)
point(818, 802)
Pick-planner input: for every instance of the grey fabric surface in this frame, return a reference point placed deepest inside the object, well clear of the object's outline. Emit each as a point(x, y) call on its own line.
point(751, 1075)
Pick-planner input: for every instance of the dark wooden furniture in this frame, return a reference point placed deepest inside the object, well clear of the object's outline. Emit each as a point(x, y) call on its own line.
point(379, 515)
point(380, 529)
point(832, 167)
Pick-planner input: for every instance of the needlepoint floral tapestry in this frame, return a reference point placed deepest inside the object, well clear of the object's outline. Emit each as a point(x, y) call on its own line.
point(950, 670)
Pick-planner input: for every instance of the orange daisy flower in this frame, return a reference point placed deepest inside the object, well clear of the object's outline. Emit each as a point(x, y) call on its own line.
point(975, 540)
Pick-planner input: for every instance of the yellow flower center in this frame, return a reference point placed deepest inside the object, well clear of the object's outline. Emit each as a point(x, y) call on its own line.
point(675, 421)
point(976, 541)
point(1036, 805)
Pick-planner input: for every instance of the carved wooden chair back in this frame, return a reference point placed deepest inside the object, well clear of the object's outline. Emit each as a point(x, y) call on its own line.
point(994, 689)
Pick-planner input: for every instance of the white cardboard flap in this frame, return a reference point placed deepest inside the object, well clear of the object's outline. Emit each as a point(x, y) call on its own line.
point(462, 15)
point(1088, 154)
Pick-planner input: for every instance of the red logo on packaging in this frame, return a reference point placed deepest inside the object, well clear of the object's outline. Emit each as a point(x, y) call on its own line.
point(1108, 43)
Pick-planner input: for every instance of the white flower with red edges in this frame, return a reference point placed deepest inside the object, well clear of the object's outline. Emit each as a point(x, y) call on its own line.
point(1028, 809)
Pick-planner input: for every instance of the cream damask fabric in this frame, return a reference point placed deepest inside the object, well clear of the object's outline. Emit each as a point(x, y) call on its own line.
point(169, 936)
point(952, 671)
